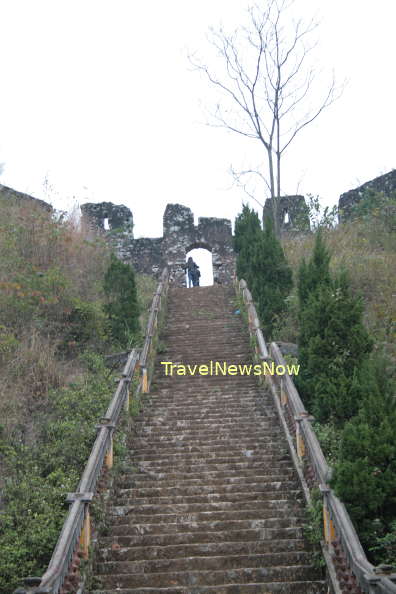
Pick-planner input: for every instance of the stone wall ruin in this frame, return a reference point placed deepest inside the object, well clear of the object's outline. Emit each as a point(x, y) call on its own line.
point(21, 198)
point(180, 235)
point(384, 183)
point(292, 214)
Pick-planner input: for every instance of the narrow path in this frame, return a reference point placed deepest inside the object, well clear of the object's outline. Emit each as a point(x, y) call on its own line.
point(211, 503)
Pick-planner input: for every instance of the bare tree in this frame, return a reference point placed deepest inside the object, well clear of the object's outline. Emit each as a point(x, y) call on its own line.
point(266, 85)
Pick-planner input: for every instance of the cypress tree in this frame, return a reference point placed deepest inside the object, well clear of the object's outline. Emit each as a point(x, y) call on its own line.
point(365, 475)
point(247, 224)
point(122, 304)
point(333, 341)
point(316, 272)
point(270, 278)
point(262, 263)
point(247, 232)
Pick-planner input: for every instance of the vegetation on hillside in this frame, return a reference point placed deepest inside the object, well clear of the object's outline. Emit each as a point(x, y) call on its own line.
point(333, 342)
point(341, 313)
point(344, 277)
point(59, 302)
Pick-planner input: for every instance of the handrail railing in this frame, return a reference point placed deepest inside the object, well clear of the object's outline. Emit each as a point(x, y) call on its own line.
point(341, 540)
point(146, 356)
point(74, 539)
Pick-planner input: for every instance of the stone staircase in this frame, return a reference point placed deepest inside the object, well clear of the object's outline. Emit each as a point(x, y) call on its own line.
point(211, 502)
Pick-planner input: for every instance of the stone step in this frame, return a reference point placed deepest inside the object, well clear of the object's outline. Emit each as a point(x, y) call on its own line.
point(196, 503)
point(197, 464)
point(301, 587)
point(277, 467)
point(193, 404)
point(164, 481)
point(225, 526)
point(205, 563)
point(195, 471)
point(271, 517)
point(205, 451)
point(284, 502)
point(208, 414)
point(181, 441)
point(230, 424)
point(116, 552)
point(187, 538)
point(235, 575)
point(223, 457)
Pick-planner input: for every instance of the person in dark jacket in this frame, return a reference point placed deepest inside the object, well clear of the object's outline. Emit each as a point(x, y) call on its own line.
point(195, 276)
point(191, 267)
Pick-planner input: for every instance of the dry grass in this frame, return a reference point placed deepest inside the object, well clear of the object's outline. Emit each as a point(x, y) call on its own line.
point(367, 250)
point(44, 266)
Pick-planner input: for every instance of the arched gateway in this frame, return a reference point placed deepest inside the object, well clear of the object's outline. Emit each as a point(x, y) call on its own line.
point(180, 235)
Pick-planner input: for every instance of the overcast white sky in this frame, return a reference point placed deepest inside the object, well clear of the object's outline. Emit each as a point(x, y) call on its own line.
point(98, 96)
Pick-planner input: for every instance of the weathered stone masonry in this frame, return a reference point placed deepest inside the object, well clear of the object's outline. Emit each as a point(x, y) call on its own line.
point(384, 183)
point(22, 198)
point(180, 235)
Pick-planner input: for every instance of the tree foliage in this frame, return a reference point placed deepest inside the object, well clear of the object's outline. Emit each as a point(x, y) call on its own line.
point(262, 263)
point(365, 474)
point(333, 342)
point(122, 303)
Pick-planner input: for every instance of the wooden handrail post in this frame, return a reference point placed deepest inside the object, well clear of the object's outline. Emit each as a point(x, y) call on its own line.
point(299, 439)
point(283, 393)
point(328, 524)
point(109, 456)
point(85, 537)
point(144, 380)
point(127, 398)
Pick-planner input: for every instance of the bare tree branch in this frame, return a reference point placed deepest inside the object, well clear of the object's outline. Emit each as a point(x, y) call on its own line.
point(265, 80)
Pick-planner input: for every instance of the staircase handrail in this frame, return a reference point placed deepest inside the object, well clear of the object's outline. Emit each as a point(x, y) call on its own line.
point(152, 329)
point(74, 538)
point(338, 527)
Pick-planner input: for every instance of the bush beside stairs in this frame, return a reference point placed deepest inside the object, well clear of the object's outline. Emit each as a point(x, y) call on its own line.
point(211, 502)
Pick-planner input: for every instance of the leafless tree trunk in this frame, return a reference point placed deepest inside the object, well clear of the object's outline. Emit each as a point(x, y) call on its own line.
point(264, 80)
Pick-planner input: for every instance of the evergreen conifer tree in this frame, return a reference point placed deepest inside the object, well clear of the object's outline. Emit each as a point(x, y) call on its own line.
point(270, 278)
point(262, 263)
point(333, 341)
point(122, 304)
point(247, 231)
point(365, 475)
point(316, 273)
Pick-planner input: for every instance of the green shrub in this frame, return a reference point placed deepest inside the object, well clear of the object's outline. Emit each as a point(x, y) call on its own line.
point(122, 304)
point(86, 324)
point(261, 262)
point(365, 475)
point(39, 476)
point(333, 342)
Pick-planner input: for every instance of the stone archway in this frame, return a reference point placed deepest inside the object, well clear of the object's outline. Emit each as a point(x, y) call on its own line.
point(202, 254)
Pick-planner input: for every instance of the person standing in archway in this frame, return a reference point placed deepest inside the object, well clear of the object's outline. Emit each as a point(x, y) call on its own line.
point(195, 276)
point(191, 268)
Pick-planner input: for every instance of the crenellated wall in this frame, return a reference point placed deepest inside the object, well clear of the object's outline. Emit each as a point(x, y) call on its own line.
point(180, 235)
